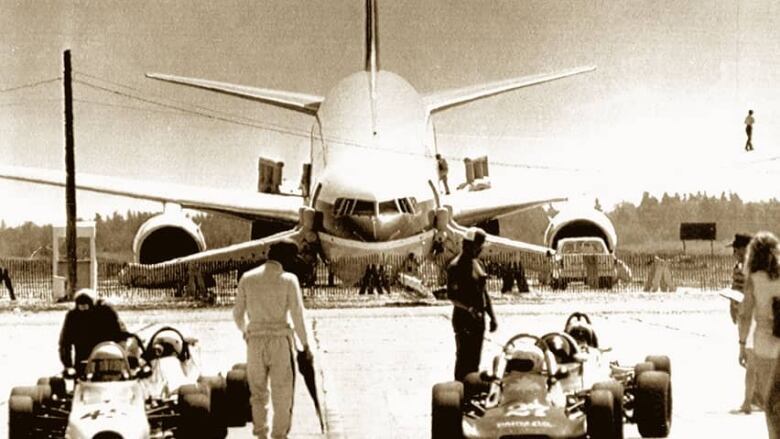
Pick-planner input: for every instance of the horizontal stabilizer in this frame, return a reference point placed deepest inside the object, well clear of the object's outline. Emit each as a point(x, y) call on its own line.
point(290, 100)
point(242, 204)
point(449, 98)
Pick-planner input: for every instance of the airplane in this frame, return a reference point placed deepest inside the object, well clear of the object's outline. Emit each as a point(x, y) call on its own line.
point(372, 190)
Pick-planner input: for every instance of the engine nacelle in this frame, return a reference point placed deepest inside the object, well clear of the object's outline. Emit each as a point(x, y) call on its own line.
point(575, 222)
point(167, 236)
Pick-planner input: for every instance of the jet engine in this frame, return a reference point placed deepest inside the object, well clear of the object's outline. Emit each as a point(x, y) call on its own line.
point(167, 236)
point(576, 222)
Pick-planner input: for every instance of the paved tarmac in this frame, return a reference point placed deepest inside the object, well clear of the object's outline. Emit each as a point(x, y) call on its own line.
point(378, 364)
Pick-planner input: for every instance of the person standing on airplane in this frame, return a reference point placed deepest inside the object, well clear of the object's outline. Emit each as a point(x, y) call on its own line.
point(466, 290)
point(749, 121)
point(443, 170)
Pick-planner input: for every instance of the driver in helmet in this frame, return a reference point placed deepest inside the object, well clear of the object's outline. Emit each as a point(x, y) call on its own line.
point(561, 349)
point(583, 334)
point(107, 363)
point(524, 358)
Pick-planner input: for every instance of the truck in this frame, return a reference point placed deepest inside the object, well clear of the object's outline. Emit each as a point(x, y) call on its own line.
point(584, 259)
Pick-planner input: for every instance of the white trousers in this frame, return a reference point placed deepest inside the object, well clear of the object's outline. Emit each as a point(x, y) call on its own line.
point(270, 361)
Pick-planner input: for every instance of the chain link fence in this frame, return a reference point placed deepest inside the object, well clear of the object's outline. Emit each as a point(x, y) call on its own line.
point(396, 278)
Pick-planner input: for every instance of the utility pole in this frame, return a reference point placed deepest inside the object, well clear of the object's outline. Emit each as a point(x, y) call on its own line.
point(70, 179)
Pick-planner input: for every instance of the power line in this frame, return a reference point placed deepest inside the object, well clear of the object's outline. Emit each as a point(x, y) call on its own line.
point(28, 102)
point(128, 107)
point(31, 85)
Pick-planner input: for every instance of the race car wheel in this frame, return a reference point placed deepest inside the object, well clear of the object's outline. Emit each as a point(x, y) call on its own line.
point(600, 415)
point(661, 363)
point(20, 416)
point(239, 366)
point(39, 394)
point(641, 368)
point(447, 410)
point(217, 404)
point(238, 410)
point(473, 385)
point(194, 415)
point(616, 389)
point(653, 411)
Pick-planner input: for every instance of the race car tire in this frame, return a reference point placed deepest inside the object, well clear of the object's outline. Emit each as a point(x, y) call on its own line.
point(238, 409)
point(643, 367)
point(661, 363)
point(600, 415)
point(39, 394)
point(239, 366)
point(617, 391)
point(447, 410)
point(20, 416)
point(653, 410)
point(194, 415)
point(473, 385)
point(217, 405)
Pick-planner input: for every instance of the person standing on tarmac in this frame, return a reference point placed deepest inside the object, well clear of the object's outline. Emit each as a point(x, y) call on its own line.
point(762, 306)
point(90, 322)
point(466, 290)
point(443, 170)
point(739, 245)
point(268, 299)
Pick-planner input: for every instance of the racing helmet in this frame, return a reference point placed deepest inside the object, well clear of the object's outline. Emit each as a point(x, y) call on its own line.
point(108, 362)
point(583, 333)
point(524, 357)
point(560, 348)
point(168, 344)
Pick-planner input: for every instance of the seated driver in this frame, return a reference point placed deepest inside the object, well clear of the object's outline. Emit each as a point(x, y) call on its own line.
point(107, 362)
point(526, 358)
point(583, 334)
point(561, 349)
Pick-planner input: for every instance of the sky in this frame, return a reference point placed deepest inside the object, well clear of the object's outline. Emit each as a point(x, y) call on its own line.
point(663, 112)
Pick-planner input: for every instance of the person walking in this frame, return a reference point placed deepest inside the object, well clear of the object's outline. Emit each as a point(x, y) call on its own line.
point(443, 170)
point(762, 305)
point(466, 290)
point(91, 321)
point(268, 300)
point(749, 121)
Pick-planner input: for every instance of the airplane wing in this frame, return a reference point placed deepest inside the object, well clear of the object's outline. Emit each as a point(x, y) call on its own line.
point(242, 204)
point(443, 100)
point(239, 256)
point(469, 208)
point(292, 101)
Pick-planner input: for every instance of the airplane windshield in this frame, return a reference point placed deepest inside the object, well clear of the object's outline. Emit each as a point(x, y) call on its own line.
point(363, 207)
point(388, 207)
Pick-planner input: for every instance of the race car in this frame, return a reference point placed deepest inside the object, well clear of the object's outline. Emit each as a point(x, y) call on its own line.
point(132, 391)
point(529, 393)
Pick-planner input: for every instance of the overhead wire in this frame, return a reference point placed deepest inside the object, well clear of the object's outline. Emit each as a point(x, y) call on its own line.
point(30, 85)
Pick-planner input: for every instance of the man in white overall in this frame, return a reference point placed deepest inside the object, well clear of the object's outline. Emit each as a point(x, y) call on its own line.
point(271, 299)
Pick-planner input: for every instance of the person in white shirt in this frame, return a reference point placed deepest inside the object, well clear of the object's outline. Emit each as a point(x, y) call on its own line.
point(749, 121)
point(268, 301)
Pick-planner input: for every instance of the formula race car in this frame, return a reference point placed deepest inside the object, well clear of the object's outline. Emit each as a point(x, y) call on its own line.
point(540, 387)
point(133, 391)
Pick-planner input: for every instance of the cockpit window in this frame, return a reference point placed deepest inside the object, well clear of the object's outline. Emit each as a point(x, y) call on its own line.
point(363, 207)
point(388, 207)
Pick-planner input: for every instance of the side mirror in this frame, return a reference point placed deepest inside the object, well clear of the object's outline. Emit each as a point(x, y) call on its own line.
point(562, 372)
point(144, 372)
point(580, 357)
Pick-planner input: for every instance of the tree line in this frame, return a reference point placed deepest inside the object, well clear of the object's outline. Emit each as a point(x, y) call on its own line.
point(651, 226)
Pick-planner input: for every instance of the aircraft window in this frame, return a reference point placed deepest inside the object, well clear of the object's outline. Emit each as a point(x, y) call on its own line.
point(363, 207)
point(388, 207)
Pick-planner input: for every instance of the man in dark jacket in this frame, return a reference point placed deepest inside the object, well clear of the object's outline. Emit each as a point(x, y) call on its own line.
point(466, 290)
point(90, 322)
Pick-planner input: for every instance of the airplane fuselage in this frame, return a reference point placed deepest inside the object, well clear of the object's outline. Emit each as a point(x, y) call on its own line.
point(372, 160)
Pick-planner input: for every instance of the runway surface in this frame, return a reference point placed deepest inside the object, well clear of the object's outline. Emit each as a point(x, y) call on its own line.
point(378, 365)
